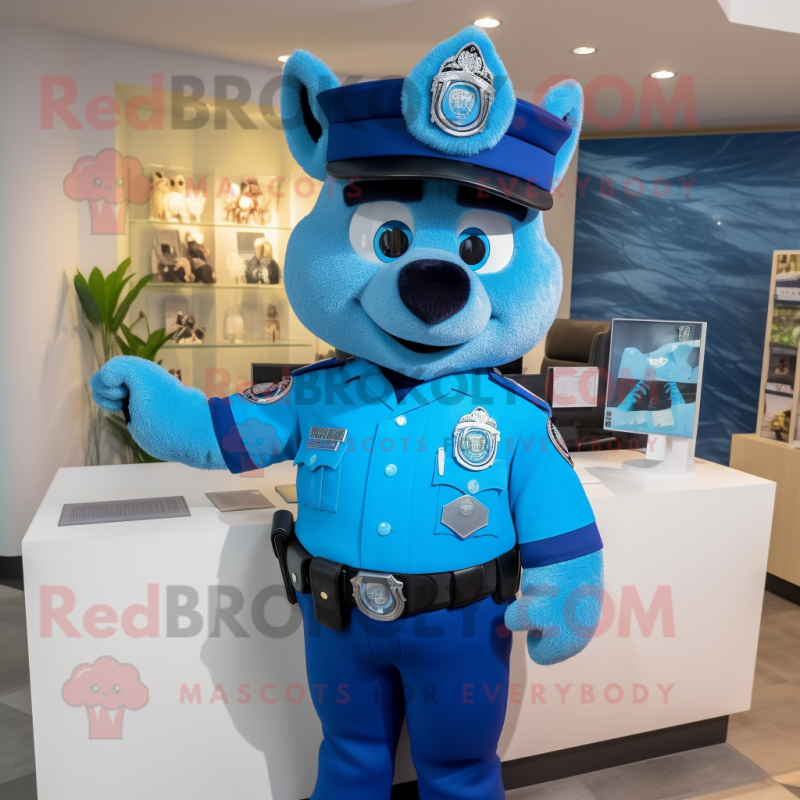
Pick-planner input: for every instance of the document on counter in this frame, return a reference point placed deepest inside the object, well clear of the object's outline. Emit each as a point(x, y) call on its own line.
point(123, 510)
point(585, 477)
point(288, 491)
point(239, 501)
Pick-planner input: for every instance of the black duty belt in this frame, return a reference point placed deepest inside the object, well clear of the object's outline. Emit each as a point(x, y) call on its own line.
point(381, 595)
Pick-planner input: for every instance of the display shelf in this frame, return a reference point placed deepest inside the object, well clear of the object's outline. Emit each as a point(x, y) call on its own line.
point(242, 345)
point(212, 287)
point(174, 224)
point(232, 316)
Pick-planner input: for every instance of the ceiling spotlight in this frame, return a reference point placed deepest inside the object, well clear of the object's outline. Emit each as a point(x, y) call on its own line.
point(487, 22)
point(662, 75)
point(584, 51)
point(283, 59)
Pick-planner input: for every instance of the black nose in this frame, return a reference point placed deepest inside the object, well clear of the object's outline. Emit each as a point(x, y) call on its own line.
point(433, 290)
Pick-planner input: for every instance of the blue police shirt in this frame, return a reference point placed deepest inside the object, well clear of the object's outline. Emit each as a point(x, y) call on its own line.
point(376, 502)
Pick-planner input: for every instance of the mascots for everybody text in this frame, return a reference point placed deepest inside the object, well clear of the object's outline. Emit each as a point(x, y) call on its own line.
point(425, 479)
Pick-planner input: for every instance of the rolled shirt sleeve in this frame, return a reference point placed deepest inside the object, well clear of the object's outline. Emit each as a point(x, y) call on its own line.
point(254, 435)
point(552, 515)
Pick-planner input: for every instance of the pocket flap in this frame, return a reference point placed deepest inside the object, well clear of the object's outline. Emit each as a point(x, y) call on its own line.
point(314, 459)
point(494, 477)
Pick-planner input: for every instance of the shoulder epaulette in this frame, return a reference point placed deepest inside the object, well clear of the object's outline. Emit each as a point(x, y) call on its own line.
point(512, 386)
point(327, 364)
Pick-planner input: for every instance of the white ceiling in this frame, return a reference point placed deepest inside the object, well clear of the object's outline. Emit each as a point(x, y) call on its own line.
point(780, 15)
point(744, 76)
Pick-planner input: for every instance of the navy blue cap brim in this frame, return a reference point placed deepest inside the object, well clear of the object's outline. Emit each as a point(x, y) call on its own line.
point(429, 168)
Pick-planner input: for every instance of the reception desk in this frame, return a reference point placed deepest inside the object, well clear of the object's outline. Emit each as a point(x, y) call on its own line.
point(186, 620)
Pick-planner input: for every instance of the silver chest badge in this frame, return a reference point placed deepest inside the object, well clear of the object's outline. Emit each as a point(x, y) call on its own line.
point(462, 93)
point(475, 440)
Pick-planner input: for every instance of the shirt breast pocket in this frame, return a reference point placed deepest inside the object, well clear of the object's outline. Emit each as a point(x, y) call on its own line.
point(319, 473)
point(469, 501)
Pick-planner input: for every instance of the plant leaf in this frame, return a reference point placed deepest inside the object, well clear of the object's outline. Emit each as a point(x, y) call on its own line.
point(155, 342)
point(115, 283)
point(87, 301)
point(123, 347)
point(97, 286)
point(124, 306)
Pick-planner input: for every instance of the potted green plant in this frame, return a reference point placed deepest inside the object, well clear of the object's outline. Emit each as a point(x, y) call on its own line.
point(106, 300)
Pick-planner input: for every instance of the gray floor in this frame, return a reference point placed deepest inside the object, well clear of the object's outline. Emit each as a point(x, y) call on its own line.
point(761, 760)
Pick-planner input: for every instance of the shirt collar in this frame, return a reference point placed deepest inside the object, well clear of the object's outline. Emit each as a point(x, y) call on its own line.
point(379, 386)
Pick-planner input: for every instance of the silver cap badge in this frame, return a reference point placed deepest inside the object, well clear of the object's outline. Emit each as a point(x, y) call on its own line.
point(462, 93)
point(475, 440)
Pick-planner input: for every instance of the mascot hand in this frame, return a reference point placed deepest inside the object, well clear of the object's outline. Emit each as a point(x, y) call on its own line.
point(560, 607)
point(168, 420)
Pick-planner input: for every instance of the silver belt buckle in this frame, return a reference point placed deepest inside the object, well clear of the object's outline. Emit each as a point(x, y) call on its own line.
point(378, 595)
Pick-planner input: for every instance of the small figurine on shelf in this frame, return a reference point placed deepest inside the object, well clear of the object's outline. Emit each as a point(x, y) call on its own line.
point(166, 263)
point(246, 204)
point(236, 267)
point(233, 326)
point(158, 195)
point(177, 374)
point(185, 331)
point(262, 267)
point(176, 199)
point(201, 268)
point(195, 203)
point(273, 326)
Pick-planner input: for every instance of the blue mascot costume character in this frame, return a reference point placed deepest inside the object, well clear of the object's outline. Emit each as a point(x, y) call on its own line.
point(425, 478)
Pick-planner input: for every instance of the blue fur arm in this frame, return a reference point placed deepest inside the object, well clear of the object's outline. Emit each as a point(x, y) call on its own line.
point(169, 420)
point(560, 607)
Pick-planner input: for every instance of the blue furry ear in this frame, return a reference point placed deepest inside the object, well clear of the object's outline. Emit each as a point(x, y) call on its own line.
point(417, 97)
point(565, 100)
point(304, 122)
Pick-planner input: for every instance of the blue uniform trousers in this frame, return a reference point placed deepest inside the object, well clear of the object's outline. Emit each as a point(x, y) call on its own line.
point(446, 671)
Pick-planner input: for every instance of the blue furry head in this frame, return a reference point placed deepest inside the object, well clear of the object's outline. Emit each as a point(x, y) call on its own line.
point(425, 274)
point(306, 126)
point(417, 97)
point(565, 100)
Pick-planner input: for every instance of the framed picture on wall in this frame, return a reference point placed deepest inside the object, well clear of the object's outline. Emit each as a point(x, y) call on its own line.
point(778, 400)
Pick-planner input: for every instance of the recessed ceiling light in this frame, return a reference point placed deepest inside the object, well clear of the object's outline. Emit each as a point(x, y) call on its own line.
point(584, 51)
point(283, 59)
point(487, 22)
point(662, 75)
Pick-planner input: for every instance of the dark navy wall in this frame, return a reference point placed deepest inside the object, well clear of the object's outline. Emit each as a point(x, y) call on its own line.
point(706, 256)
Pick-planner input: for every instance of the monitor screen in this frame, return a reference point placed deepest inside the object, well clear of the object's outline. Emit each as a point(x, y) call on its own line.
point(655, 373)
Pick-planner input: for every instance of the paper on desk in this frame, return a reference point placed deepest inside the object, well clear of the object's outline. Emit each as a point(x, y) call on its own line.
point(244, 500)
point(123, 510)
point(585, 477)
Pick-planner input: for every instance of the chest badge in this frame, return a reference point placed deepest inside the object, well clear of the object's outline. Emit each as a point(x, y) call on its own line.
point(462, 93)
point(465, 515)
point(475, 440)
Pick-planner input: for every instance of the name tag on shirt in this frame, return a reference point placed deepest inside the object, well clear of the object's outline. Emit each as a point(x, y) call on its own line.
point(320, 438)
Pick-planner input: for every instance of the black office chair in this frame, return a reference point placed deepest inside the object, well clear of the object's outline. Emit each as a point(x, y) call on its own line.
point(577, 343)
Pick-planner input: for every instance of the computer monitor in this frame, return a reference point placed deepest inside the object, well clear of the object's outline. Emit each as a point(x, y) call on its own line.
point(655, 375)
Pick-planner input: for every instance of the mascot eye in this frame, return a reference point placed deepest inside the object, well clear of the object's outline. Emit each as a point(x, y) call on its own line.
point(473, 247)
point(97, 183)
point(119, 182)
point(94, 688)
point(485, 241)
point(381, 232)
point(392, 240)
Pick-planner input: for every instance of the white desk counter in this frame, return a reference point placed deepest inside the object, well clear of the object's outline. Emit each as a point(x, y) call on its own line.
point(228, 711)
